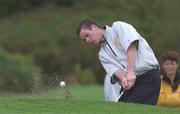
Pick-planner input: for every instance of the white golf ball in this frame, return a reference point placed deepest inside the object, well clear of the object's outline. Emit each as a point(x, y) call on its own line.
point(62, 83)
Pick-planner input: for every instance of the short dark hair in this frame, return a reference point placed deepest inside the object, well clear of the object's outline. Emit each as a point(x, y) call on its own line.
point(86, 24)
point(170, 55)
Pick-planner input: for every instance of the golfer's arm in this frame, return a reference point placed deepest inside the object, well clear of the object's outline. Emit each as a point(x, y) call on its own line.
point(120, 74)
point(131, 56)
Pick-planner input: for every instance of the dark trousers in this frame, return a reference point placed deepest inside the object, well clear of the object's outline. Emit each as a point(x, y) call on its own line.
point(146, 89)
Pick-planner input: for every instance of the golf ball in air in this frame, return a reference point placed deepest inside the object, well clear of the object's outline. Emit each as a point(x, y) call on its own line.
point(62, 83)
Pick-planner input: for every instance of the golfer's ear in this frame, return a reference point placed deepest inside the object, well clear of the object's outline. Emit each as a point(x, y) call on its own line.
point(93, 27)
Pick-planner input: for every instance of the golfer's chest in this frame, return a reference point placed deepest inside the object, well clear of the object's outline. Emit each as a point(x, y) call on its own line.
point(115, 51)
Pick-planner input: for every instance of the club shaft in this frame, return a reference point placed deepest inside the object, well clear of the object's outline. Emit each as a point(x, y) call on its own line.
point(119, 96)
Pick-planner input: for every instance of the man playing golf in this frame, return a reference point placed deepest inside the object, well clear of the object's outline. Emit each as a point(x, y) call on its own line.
point(125, 55)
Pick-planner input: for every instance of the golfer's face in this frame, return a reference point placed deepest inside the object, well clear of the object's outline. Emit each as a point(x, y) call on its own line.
point(170, 67)
point(91, 36)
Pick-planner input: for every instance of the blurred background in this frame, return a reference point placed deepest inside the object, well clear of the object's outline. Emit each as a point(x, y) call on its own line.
point(39, 46)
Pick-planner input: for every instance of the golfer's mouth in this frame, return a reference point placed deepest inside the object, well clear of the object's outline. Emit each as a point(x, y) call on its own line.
point(91, 42)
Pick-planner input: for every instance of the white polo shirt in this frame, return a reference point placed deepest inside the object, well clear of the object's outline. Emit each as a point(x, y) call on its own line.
point(113, 52)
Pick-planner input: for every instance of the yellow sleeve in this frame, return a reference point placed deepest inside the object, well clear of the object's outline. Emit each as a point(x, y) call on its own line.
point(167, 97)
point(169, 100)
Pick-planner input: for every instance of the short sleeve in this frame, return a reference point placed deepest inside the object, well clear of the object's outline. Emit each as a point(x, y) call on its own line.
point(126, 34)
point(109, 64)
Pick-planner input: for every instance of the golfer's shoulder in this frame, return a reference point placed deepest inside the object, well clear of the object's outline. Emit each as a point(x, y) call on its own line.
point(120, 24)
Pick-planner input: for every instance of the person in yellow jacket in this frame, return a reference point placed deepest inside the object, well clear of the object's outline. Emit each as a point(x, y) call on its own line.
point(170, 81)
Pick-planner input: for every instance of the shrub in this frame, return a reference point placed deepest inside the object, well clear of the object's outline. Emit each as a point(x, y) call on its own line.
point(12, 6)
point(17, 73)
point(84, 76)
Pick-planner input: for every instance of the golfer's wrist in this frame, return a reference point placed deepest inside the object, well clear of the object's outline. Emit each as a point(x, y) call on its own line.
point(131, 74)
point(130, 71)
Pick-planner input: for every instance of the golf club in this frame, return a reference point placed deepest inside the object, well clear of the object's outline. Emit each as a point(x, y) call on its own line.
point(121, 93)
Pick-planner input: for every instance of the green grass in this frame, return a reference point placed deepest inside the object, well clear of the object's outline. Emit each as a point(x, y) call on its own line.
point(85, 100)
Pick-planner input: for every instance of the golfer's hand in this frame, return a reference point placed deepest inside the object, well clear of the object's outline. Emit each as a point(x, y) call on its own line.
point(131, 78)
point(121, 75)
point(124, 82)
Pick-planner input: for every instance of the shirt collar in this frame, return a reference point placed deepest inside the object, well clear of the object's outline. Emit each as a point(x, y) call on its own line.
point(106, 32)
point(104, 35)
